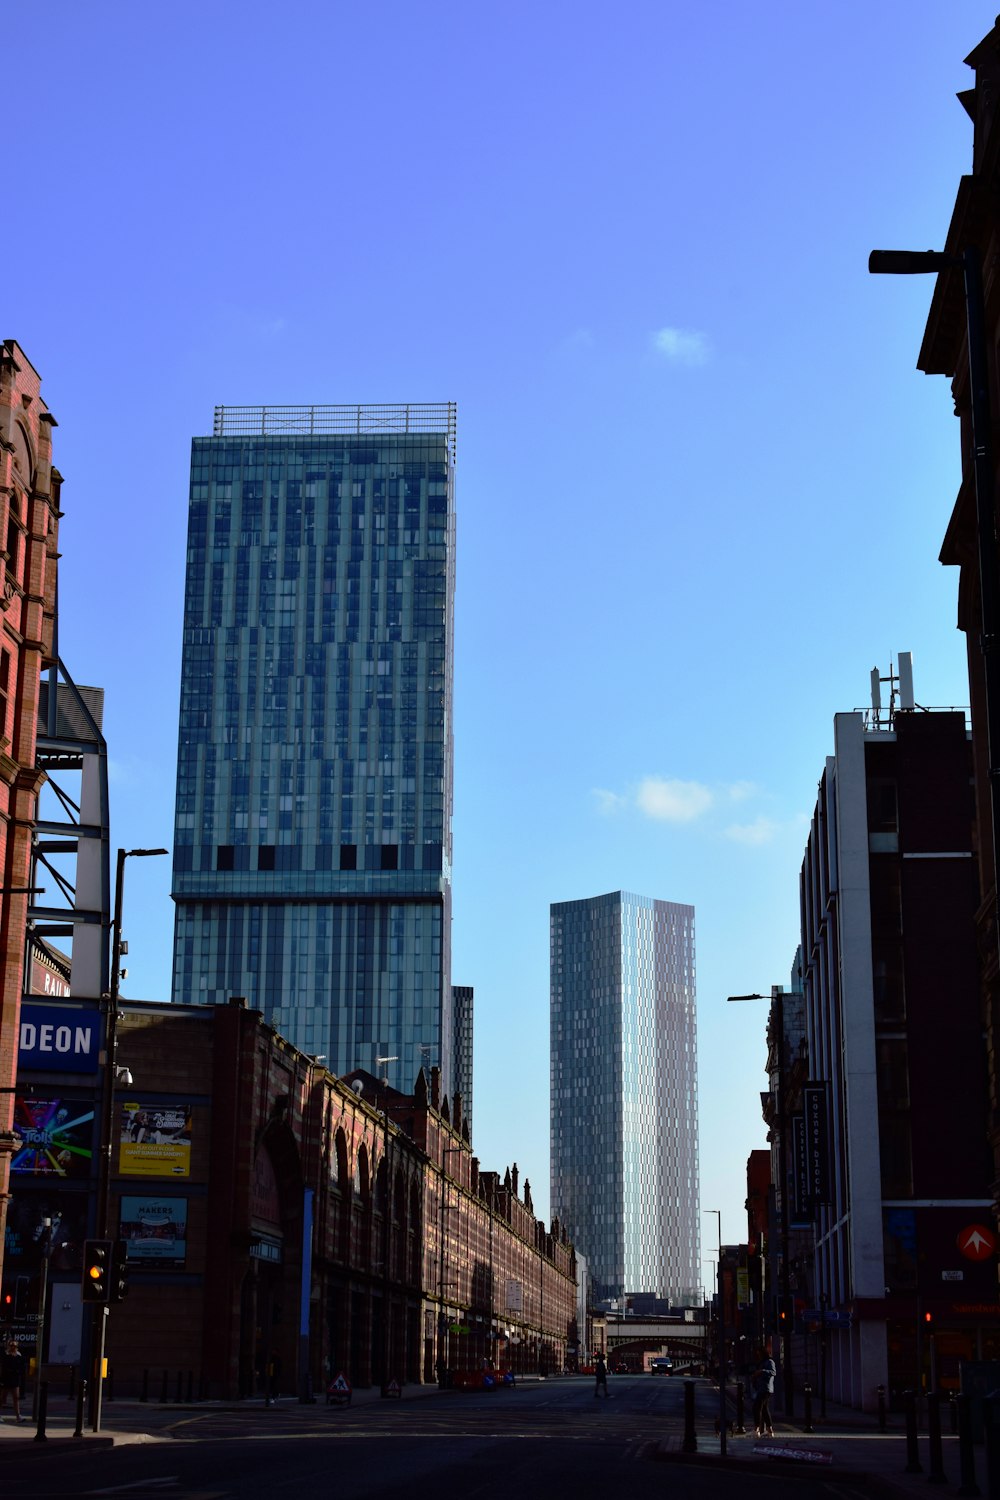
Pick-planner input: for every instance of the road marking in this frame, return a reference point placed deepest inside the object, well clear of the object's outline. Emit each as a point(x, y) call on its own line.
point(139, 1484)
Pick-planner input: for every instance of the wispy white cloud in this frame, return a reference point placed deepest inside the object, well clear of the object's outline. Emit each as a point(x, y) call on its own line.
point(608, 802)
point(761, 831)
point(682, 346)
point(672, 801)
point(741, 790)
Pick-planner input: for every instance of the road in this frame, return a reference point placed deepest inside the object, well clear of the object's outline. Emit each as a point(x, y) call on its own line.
point(549, 1440)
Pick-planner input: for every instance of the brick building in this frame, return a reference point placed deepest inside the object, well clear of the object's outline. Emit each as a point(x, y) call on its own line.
point(975, 228)
point(29, 514)
point(281, 1219)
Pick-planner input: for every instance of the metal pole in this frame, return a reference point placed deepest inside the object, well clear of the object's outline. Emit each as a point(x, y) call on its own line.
point(787, 1379)
point(110, 1003)
point(43, 1282)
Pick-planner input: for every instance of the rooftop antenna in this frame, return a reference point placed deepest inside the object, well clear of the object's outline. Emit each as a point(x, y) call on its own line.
point(901, 698)
point(386, 1060)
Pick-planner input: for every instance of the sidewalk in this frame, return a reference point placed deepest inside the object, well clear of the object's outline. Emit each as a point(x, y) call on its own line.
point(120, 1420)
point(846, 1442)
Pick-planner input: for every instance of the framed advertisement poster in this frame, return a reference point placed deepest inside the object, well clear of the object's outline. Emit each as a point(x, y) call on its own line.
point(54, 1137)
point(155, 1229)
point(155, 1140)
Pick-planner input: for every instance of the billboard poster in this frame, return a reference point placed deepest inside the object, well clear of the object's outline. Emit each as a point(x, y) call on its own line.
point(55, 1137)
point(155, 1229)
point(155, 1140)
point(24, 1232)
point(817, 1151)
point(800, 1174)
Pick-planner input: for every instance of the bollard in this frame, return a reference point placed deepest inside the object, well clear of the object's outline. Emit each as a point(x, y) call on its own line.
point(966, 1457)
point(81, 1403)
point(145, 1386)
point(913, 1464)
point(992, 1435)
point(43, 1406)
point(163, 1387)
point(935, 1457)
point(881, 1409)
point(690, 1443)
point(807, 1392)
point(740, 1414)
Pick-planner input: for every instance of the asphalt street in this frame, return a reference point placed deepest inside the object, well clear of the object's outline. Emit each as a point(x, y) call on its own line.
point(549, 1439)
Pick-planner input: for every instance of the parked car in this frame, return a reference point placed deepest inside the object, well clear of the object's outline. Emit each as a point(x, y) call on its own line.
point(660, 1366)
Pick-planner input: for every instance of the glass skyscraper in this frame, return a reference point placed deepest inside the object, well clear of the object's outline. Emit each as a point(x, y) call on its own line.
point(624, 1092)
point(312, 844)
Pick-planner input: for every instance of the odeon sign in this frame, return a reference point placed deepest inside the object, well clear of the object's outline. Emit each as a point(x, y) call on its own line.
point(59, 1039)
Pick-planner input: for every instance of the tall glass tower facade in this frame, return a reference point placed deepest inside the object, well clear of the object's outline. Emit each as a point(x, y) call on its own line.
point(624, 1092)
point(312, 843)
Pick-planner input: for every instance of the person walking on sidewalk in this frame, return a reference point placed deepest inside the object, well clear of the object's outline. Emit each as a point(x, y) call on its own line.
point(762, 1389)
point(12, 1377)
point(601, 1377)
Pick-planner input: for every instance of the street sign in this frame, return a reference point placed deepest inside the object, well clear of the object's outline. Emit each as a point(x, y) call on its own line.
point(976, 1242)
point(832, 1318)
point(952, 1275)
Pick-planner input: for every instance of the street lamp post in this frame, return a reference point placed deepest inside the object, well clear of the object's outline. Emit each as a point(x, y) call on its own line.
point(103, 1215)
point(918, 262)
point(777, 999)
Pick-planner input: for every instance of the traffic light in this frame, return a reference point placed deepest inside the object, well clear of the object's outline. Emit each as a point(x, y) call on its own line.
point(15, 1303)
point(96, 1285)
point(119, 1271)
point(928, 1318)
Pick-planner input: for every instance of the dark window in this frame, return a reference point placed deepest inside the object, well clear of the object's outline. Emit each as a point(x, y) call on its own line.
point(224, 857)
point(883, 815)
point(390, 857)
point(265, 857)
point(4, 689)
point(348, 856)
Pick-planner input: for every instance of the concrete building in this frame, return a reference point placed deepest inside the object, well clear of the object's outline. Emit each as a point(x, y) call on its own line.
point(312, 847)
point(277, 1219)
point(29, 517)
point(624, 1092)
point(888, 1165)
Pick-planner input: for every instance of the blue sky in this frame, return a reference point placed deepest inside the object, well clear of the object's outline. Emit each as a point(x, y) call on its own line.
point(702, 487)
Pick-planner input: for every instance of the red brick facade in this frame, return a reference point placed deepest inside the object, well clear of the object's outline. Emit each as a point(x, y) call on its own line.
point(465, 1271)
point(29, 513)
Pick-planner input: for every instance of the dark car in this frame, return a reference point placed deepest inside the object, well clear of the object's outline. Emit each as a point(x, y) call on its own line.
point(660, 1366)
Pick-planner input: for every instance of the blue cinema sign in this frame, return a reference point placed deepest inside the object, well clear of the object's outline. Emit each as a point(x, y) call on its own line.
point(59, 1039)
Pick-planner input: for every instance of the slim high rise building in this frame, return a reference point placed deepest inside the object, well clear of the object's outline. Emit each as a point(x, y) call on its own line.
point(312, 847)
point(624, 1092)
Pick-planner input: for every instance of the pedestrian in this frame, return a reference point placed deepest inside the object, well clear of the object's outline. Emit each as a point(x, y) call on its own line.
point(12, 1377)
point(762, 1389)
point(601, 1377)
